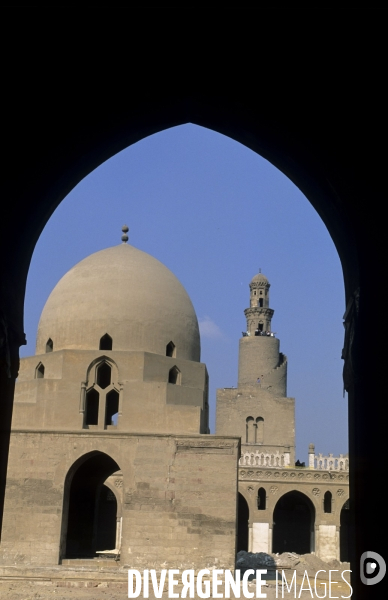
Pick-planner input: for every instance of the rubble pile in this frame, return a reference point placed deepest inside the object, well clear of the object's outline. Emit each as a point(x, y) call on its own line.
point(310, 563)
point(289, 561)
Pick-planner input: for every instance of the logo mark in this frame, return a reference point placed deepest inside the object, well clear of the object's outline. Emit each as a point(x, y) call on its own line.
point(372, 568)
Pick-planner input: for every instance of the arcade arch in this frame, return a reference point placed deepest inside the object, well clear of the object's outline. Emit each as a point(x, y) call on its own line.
point(242, 523)
point(293, 524)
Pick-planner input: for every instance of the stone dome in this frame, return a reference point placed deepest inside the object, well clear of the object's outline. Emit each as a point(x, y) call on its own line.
point(127, 294)
point(260, 279)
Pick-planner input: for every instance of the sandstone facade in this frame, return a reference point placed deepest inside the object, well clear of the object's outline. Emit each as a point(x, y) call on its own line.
point(281, 507)
point(111, 453)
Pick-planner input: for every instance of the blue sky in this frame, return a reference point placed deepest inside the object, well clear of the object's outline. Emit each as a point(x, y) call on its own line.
point(214, 212)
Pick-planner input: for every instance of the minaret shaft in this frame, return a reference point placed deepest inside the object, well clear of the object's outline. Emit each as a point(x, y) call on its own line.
point(259, 410)
point(259, 355)
point(259, 358)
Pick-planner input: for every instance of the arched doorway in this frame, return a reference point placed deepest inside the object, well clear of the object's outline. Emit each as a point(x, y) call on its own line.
point(293, 529)
point(344, 532)
point(90, 508)
point(242, 523)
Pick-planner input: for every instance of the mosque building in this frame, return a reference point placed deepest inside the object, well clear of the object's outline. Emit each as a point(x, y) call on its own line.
point(282, 506)
point(111, 453)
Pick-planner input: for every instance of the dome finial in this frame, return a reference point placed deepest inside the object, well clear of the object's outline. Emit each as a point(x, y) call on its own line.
point(259, 270)
point(124, 237)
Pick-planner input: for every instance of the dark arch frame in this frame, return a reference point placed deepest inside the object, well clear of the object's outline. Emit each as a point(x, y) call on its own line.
point(314, 138)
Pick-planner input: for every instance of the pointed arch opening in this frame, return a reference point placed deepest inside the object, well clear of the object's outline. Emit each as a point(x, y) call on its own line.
point(39, 371)
point(293, 528)
point(104, 375)
point(106, 342)
point(111, 408)
point(174, 376)
point(92, 407)
point(171, 350)
point(49, 345)
point(346, 250)
point(89, 519)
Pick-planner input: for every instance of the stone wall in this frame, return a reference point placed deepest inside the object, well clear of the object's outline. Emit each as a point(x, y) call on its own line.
point(313, 484)
point(148, 402)
point(234, 406)
point(179, 496)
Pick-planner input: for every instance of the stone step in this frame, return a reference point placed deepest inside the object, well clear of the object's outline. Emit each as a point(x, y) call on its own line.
point(68, 575)
point(105, 563)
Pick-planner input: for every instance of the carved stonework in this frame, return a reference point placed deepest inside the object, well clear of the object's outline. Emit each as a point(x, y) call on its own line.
point(329, 462)
point(264, 459)
point(273, 489)
point(316, 491)
point(340, 492)
point(302, 476)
